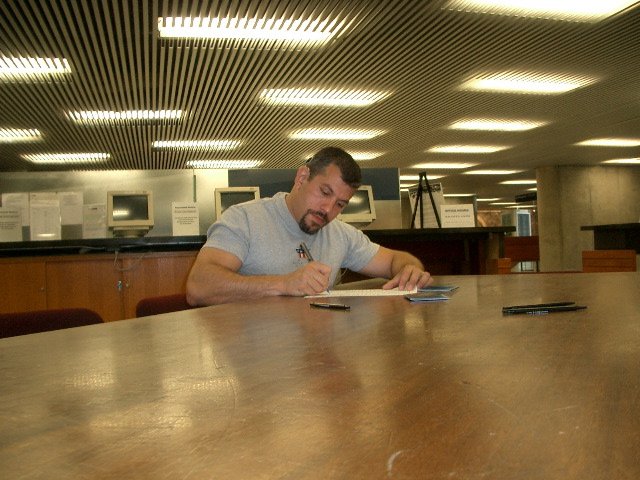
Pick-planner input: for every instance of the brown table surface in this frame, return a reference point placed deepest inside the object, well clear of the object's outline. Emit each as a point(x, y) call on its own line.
point(275, 389)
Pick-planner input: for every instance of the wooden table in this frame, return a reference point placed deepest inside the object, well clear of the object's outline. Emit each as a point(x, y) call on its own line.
point(275, 389)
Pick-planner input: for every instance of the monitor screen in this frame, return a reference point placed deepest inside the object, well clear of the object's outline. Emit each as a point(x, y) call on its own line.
point(228, 196)
point(130, 207)
point(130, 213)
point(361, 208)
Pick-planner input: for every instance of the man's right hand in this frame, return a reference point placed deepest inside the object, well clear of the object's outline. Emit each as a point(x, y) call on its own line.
point(310, 279)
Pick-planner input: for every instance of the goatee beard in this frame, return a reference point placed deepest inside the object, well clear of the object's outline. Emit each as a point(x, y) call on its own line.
point(306, 228)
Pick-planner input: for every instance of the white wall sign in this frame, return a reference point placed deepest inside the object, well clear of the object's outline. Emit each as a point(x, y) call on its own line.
point(457, 215)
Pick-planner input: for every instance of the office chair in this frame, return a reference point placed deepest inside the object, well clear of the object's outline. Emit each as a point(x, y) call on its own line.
point(162, 304)
point(609, 261)
point(24, 323)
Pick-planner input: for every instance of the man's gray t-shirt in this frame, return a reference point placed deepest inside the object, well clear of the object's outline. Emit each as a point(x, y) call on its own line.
point(266, 238)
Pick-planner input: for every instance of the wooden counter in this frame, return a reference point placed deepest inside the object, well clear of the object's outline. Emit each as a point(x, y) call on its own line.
point(623, 236)
point(447, 251)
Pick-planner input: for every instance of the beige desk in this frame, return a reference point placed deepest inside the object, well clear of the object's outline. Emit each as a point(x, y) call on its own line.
point(275, 389)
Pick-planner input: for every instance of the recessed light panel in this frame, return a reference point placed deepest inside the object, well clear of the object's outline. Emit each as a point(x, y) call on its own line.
point(64, 158)
point(610, 142)
point(443, 165)
point(623, 161)
point(123, 116)
point(573, 11)
point(334, 134)
point(527, 82)
point(519, 182)
point(491, 172)
point(196, 144)
point(227, 164)
point(467, 148)
point(18, 135)
point(495, 125)
point(318, 97)
point(288, 31)
point(32, 68)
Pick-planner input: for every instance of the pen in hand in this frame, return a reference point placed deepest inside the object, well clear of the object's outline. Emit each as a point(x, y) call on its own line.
point(306, 251)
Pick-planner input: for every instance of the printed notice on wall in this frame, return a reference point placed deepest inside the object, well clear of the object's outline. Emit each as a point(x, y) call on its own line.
point(44, 213)
point(457, 215)
point(10, 225)
point(71, 207)
point(19, 201)
point(186, 219)
point(94, 220)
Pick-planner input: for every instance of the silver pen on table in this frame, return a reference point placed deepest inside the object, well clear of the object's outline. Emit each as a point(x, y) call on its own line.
point(306, 251)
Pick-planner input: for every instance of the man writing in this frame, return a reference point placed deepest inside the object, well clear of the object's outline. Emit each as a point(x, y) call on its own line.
point(254, 250)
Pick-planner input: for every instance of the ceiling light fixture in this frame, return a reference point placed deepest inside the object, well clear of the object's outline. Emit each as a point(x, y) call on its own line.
point(573, 11)
point(467, 148)
point(225, 164)
point(623, 161)
point(196, 144)
point(415, 178)
point(610, 142)
point(64, 158)
point(454, 195)
point(443, 165)
point(32, 67)
point(123, 116)
point(16, 135)
point(495, 199)
point(334, 134)
point(491, 172)
point(519, 182)
point(527, 82)
point(495, 125)
point(292, 31)
point(312, 97)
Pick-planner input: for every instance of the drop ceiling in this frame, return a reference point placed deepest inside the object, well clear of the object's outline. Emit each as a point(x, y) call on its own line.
point(418, 51)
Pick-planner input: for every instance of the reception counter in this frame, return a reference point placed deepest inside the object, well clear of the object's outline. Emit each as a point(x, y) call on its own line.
point(445, 251)
point(622, 236)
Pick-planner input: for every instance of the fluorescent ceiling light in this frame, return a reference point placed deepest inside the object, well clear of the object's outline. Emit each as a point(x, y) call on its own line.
point(312, 97)
point(504, 203)
point(610, 142)
point(519, 182)
point(228, 164)
point(63, 158)
point(32, 67)
point(415, 178)
point(467, 148)
point(334, 134)
point(365, 155)
point(624, 161)
point(572, 10)
point(496, 124)
point(443, 165)
point(15, 135)
point(294, 31)
point(487, 199)
point(527, 82)
point(107, 116)
point(534, 189)
point(459, 194)
point(197, 144)
point(491, 172)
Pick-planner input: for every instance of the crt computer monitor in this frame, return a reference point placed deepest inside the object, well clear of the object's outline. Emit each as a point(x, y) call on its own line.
point(130, 213)
point(361, 208)
point(227, 196)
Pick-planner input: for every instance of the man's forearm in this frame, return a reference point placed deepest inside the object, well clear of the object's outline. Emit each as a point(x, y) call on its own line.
point(402, 259)
point(213, 285)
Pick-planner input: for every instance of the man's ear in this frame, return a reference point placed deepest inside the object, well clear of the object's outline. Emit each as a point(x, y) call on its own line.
point(302, 174)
